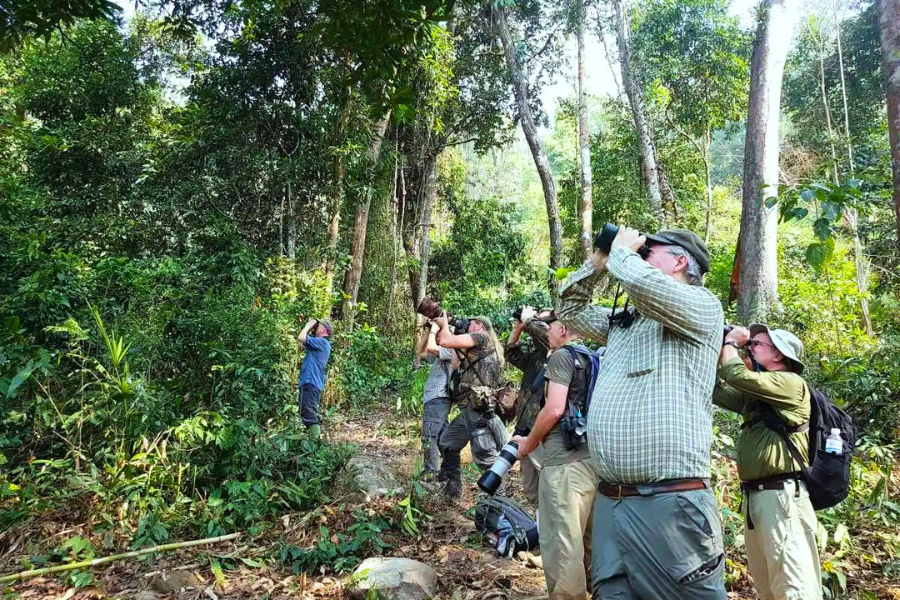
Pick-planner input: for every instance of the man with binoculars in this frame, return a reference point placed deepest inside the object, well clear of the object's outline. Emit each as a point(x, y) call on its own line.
point(314, 338)
point(656, 527)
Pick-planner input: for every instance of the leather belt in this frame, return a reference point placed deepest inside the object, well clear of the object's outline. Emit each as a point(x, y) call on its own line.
point(616, 492)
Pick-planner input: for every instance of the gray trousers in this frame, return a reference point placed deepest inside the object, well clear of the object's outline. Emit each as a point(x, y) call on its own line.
point(486, 432)
point(434, 421)
point(658, 547)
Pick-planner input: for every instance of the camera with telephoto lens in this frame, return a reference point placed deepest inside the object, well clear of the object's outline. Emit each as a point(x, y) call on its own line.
point(490, 480)
point(603, 241)
point(430, 309)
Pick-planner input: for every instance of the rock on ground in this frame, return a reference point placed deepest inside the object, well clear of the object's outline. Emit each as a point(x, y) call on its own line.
point(394, 579)
point(371, 476)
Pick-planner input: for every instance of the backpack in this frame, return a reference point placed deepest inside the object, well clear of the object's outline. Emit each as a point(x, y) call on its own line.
point(827, 475)
point(573, 423)
point(506, 525)
point(591, 362)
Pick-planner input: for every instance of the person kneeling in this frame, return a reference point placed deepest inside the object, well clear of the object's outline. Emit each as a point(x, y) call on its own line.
point(779, 521)
point(568, 482)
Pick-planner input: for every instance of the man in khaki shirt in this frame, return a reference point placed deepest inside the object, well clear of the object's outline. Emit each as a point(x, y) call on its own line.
point(779, 521)
point(568, 481)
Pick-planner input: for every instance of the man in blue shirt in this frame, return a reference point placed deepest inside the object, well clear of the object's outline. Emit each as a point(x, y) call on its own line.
point(314, 338)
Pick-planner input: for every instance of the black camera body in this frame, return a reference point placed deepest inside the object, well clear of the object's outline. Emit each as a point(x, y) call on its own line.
point(460, 324)
point(604, 239)
point(517, 314)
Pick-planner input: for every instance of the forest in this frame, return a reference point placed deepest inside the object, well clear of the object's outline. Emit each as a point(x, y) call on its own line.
point(183, 184)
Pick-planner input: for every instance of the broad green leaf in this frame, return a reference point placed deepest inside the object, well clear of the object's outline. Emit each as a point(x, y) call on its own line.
point(820, 254)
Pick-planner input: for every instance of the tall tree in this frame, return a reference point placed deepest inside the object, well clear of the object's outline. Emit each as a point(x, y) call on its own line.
point(529, 128)
point(655, 181)
point(695, 52)
point(889, 24)
point(361, 222)
point(586, 207)
point(757, 260)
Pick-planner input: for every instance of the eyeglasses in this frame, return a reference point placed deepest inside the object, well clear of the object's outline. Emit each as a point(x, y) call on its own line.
point(755, 343)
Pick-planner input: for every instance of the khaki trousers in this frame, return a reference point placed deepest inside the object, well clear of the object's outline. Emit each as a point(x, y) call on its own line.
point(781, 548)
point(531, 475)
point(566, 507)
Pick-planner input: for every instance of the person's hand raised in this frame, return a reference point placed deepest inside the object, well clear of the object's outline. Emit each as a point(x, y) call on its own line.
point(629, 238)
point(739, 335)
point(528, 313)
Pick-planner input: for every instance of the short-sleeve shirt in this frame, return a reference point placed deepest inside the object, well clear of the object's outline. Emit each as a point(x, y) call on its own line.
point(312, 370)
point(438, 383)
point(480, 367)
point(560, 369)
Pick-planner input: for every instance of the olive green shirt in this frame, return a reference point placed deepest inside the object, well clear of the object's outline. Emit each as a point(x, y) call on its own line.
point(560, 369)
point(762, 452)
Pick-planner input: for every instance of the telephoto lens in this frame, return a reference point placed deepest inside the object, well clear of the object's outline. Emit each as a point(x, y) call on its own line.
point(490, 480)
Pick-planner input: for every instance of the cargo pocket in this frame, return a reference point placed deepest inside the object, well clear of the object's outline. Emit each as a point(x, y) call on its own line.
point(696, 544)
point(484, 446)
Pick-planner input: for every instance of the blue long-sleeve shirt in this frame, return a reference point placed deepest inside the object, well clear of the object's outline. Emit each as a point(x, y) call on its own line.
point(312, 370)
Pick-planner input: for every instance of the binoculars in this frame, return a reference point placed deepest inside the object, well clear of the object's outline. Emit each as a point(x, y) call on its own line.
point(603, 241)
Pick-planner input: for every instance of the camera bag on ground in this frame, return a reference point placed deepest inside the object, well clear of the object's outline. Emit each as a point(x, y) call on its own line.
point(827, 475)
point(505, 525)
point(573, 422)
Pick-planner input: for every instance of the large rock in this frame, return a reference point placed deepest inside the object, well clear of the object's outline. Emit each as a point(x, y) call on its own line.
point(371, 476)
point(394, 579)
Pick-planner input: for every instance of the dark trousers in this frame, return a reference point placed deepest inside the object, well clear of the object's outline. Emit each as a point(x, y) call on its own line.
point(434, 421)
point(658, 547)
point(309, 403)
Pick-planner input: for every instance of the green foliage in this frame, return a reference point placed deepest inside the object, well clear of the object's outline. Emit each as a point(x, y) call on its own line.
point(698, 54)
point(340, 552)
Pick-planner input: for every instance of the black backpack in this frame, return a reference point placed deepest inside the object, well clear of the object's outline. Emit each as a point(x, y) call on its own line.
point(506, 525)
point(827, 475)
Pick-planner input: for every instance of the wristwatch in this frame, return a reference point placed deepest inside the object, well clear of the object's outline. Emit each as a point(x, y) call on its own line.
point(733, 344)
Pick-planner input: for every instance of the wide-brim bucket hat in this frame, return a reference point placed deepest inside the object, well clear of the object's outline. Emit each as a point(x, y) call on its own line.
point(785, 342)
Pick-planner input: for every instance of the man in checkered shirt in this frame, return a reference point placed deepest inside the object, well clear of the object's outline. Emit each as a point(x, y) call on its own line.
point(657, 532)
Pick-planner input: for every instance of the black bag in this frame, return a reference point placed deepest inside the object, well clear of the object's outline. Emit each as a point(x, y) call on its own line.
point(506, 525)
point(573, 423)
point(827, 475)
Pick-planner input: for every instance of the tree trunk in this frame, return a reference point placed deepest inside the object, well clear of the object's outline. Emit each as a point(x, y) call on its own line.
point(707, 142)
point(889, 24)
point(430, 183)
point(337, 200)
point(529, 128)
point(358, 244)
point(649, 170)
point(584, 146)
point(290, 233)
point(758, 286)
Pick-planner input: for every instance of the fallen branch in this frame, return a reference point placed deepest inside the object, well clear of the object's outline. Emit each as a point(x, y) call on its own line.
point(108, 559)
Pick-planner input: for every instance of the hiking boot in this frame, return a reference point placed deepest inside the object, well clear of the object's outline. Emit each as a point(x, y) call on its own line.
point(453, 487)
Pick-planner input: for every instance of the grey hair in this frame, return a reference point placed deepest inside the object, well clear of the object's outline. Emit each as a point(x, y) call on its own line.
point(693, 274)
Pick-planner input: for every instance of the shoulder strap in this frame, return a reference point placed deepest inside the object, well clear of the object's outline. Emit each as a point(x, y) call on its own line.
point(770, 418)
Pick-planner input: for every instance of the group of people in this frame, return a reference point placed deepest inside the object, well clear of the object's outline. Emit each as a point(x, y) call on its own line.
point(617, 462)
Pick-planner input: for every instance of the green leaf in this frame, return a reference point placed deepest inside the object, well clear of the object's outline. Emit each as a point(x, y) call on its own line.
point(771, 201)
point(822, 228)
point(820, 254)
point(562, 273)
point(20, 378)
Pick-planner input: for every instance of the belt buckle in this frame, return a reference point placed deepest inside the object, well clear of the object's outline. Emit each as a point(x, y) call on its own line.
point(618, 495)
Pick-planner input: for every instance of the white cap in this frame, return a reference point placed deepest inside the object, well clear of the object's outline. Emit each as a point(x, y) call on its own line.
point(835, 431)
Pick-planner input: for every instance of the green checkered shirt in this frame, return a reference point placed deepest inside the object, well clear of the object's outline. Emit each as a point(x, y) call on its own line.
point(651, 415)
